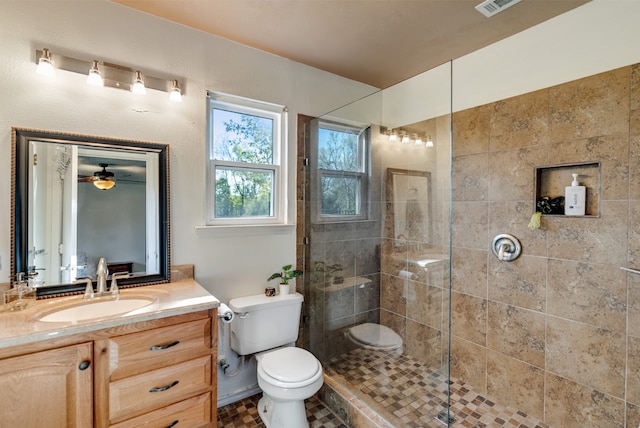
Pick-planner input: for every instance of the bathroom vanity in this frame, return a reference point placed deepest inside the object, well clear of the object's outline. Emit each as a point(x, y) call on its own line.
point(153, 366)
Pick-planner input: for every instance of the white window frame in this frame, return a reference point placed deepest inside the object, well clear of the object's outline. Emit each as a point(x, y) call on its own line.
point(363, 174)
point(277, 113)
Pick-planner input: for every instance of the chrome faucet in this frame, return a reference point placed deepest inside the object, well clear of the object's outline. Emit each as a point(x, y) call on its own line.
point(101, 274)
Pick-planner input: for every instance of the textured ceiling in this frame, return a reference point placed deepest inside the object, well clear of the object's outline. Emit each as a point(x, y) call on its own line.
point(378, 42)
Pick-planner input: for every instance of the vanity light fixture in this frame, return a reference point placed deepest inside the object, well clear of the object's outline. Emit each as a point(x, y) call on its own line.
point(94, 78)
point(102, 73)
point(418, 140)
point(393, 135)
point(45, 64)
point(176, 94)
point(138, 85)
point(405, 138)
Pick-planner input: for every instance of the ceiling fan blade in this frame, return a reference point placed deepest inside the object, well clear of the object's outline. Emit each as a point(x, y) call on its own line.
point(86, 179)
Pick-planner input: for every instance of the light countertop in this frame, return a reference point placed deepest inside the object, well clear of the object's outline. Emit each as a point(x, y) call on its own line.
point(174, 298)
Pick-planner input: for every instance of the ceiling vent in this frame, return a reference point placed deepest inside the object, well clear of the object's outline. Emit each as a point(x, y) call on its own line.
point(490, 7)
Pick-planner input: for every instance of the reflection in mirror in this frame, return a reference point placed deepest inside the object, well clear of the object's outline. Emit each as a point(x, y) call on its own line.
point(79, 198)
point(409, 211)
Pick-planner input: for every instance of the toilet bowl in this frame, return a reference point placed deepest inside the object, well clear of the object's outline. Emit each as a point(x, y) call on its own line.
point(375, 336)
point(287, 377)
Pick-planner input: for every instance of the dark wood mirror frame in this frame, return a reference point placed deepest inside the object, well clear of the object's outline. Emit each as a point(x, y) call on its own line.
point(20, 138)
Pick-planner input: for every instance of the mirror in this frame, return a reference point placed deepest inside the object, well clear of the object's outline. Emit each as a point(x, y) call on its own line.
point(409, 211)
point(77, 198)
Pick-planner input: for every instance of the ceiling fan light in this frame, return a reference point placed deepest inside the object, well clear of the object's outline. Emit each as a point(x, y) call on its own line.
point(104, 183)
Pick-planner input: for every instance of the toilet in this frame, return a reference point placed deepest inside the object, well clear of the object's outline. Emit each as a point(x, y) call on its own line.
point(268, 327)
point(376, 337)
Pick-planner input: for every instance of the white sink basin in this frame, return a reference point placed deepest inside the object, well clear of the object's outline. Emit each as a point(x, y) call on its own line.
point(87, 309)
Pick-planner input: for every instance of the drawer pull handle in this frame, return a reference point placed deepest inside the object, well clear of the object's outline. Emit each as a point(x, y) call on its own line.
point(161, 347)
point(164, 388)
point(172, 424)
point(84, 365)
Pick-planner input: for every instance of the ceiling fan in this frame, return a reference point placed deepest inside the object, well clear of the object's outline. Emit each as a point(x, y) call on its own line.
point(103, 180)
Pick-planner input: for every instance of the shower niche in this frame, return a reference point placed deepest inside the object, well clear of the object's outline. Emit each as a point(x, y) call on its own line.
point(551, 180)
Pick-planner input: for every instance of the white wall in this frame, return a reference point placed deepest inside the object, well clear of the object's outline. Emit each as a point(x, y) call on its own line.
point(228, 264)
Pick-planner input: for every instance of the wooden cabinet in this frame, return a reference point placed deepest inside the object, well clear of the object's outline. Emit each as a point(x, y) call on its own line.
point(158, 373)
point(52, 388)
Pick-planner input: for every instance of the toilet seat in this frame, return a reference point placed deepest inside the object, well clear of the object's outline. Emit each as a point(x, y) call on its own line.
point(289, 367)
point(375, 336)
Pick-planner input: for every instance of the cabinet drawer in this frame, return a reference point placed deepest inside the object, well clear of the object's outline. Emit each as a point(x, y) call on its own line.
point(155, 389)
point(136, 353)
point(192, 413)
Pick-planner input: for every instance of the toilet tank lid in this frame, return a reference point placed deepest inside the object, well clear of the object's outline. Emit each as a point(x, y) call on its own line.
point(260, 301)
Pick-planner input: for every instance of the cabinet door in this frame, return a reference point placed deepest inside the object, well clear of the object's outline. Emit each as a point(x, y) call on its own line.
point(52, 389)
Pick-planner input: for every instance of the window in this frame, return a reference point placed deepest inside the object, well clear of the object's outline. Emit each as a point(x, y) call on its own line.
point(246, 145)
point(342, 172)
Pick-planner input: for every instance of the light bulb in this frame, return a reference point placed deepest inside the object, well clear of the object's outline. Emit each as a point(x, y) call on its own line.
point(175, 95)
point(94, 78)
point(45, 64)
point(138, 85)
point(429, 143)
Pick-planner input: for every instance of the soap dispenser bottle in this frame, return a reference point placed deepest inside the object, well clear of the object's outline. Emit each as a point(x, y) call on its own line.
point(574, 198)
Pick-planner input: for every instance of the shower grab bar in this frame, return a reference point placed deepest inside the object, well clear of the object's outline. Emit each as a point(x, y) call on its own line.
point(630, 270)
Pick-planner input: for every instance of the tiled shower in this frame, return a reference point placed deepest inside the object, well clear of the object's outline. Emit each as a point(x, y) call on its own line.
point(555, 333)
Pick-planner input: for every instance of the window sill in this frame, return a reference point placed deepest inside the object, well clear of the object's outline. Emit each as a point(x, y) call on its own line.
point(247, 229)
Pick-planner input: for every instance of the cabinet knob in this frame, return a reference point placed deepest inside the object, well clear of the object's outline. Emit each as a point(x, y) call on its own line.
point(84, 365)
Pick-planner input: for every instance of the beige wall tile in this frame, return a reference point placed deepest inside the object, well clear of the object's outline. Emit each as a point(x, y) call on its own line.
point(589, 355)
point(612, 151)
point(469, 363)
point(470, 180)
point(470, 273)
point(393, 294)
point(521, 282)
point(634, 234)
point(633, 304)
point(595, 240)
point(571, 405)
point(633, 370)
point(424, 304)
point(596, 105)
point(513, 217)
point(469, 224)
point(520, 121)
point(587, 292)
point(471, 133)
point(511, 173)
point(516, 332)
point(633, 416)
point(517, 383)
point(424, 344)
point(469, 317)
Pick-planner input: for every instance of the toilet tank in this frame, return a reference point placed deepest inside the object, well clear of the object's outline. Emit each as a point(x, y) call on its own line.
point(262, 322)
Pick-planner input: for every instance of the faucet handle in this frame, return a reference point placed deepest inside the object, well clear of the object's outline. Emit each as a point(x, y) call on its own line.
point(114, 284)
point(88, 291)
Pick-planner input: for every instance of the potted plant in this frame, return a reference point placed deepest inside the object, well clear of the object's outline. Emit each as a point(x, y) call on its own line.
point(285, 276)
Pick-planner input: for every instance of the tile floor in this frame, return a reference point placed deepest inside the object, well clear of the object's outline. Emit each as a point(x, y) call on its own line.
point(403, 390)
point(244, 414)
